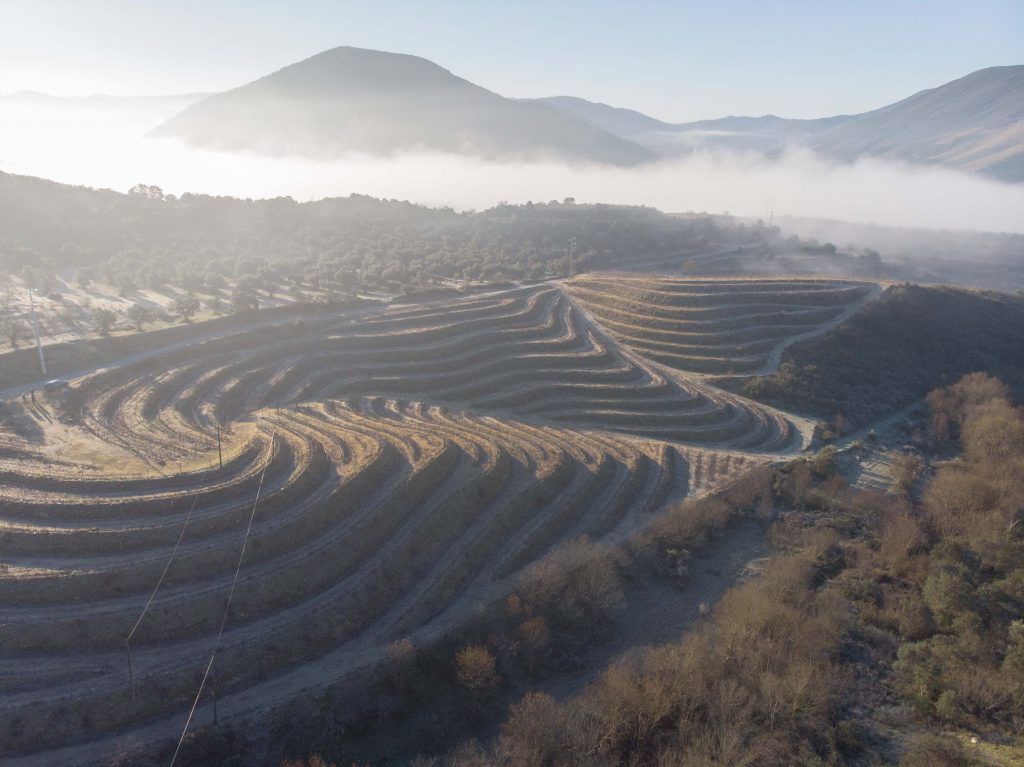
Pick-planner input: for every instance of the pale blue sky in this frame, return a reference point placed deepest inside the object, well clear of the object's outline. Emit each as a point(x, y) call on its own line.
point(675, 60)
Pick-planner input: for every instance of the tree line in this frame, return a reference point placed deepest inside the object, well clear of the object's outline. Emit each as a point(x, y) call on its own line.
point(150, 239)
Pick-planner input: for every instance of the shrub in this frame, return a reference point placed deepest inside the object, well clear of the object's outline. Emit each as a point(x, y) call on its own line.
point(932, 750)
point(947, 707)
point(401, 659)
point(915, 618)
point(917, 676)
point(948, 590)
point(1014, 657)
point(691, 522)
point(475, 670)
point(534, 638)
point(824, 462)
point(578, 581)
point(313, 761)
point(906, 469)
point(534, 732)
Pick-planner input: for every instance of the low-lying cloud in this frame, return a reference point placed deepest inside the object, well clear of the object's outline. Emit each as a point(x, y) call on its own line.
point(106, 147)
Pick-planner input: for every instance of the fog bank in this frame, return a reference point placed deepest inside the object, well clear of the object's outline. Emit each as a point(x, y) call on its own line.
point(106, 147)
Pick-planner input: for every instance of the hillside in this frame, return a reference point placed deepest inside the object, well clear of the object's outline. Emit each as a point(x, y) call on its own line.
point(621, 122)
point(46, 224)
point(895, 350)
point(975, 123)
point(355, 100)
point(717, 325)
point(388, 467)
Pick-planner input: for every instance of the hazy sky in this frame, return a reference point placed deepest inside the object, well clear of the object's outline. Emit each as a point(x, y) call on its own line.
point(675, 60)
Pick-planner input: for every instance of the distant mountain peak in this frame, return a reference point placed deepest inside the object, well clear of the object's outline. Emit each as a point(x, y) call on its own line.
point(358, 100)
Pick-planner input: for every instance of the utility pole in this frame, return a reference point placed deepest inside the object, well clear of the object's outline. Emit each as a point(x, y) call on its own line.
point(35, 330)
point(220, 456)
point(572, 248)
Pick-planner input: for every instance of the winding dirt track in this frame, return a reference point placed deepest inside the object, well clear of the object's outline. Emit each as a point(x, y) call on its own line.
point(412, 462)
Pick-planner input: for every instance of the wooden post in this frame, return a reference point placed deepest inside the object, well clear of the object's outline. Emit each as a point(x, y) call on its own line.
point(213, 690)
point(131, 674)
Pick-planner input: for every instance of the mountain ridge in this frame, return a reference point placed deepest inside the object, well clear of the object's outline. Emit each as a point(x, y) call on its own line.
point(974, 123)
point(356, 100)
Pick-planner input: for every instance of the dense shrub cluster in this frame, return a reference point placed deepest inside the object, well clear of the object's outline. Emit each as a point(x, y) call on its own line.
point(965, 665)
point(927, 597)
point(755, 685)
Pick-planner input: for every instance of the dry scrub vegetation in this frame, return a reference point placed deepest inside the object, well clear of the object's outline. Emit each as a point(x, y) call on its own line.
point(431, 696)
point(879, 625)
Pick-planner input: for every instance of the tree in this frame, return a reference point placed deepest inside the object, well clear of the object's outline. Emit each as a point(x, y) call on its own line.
point(213, 281)
point(1014, 658)
point(534, 731)
point(149, 192)
point(401, 657)
point(84, 276)
point(103, 320)
point(190, 282)
point(139, 315)
point(125, 283)
point(577, 582)
point(824, 462)
point(475, 670)
point(313, 761)
point(951, 405)
point(928, 749)
point(534, 638)
point(244, 300)
point(40, 277)
point(14, 329)
point(801, 479)
point(905, 470)
point(186, 306)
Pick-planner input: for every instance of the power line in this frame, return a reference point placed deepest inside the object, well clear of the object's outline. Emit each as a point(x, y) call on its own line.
point(177, 543)
point(195, 703)
point(227, 607)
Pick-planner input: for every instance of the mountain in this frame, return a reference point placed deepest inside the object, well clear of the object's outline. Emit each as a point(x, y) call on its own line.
point(621, 122)
point(974, 124)
point(356, 100)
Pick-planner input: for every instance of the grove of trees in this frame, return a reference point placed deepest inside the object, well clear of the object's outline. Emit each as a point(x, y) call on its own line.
point(146, 239)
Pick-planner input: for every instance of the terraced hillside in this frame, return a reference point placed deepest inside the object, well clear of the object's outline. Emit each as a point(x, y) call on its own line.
point(718, 326)
point(383, 474)
point(527, 353)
